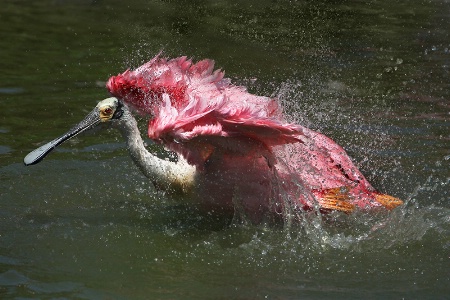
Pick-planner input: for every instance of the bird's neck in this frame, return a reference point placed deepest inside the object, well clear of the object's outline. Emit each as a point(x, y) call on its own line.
point(166, 175)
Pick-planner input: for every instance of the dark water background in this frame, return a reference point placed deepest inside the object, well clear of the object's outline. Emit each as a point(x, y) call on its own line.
point(85, 224)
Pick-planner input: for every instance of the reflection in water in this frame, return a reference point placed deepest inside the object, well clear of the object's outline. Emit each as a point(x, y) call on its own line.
point(374, 76)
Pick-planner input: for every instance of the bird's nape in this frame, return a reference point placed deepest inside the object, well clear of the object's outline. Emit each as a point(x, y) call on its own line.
point(105, 111)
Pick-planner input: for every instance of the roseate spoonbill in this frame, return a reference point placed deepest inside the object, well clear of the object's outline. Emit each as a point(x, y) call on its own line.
point(235, 151)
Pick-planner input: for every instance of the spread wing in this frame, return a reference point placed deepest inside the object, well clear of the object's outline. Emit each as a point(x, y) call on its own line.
point(191, 102)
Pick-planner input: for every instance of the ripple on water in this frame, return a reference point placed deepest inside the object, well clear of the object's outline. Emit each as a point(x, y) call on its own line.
point(12, 90)
point(4, 149)
point(14, 282)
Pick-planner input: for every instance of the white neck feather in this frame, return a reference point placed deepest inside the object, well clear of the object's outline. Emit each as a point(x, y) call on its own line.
point(169, 176)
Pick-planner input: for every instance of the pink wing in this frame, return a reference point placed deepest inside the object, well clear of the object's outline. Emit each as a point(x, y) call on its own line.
point(189, 101)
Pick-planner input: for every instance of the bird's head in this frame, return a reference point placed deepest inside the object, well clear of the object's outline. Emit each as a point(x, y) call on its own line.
point(107, 111)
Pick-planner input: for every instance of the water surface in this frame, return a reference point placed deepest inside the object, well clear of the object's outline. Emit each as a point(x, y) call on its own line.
point(85, 224)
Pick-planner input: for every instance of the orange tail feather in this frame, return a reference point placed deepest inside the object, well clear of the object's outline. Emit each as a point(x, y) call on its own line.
point(336, 199)
point(388, 201)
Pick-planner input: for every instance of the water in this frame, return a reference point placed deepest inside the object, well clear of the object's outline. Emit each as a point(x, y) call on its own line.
point(85, 224)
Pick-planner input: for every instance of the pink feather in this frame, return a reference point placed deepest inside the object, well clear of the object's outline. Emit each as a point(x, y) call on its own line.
point(188, 100)
point(198, 113)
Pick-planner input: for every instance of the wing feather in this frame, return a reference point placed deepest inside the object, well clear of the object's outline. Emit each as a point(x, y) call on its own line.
point(189, 100)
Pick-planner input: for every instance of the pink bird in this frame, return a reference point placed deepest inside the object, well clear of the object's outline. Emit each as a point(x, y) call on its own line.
point(236, 154)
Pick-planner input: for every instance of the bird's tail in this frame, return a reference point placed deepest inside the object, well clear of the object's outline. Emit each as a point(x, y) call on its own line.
point(389, 202)
point(336, 199)
point(340, 199)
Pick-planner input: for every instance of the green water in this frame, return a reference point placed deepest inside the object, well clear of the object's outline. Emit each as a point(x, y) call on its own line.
point(85, 224)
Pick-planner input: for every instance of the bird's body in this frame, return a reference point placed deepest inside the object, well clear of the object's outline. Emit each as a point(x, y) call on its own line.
point(236, 152)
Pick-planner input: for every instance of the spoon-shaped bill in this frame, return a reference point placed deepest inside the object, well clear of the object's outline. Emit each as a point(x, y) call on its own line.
point(35, 156)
